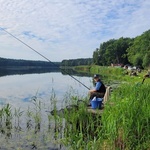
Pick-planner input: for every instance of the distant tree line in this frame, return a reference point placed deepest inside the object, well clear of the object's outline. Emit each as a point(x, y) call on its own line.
point(4, 63)
point(77, 62)
point(135, 51)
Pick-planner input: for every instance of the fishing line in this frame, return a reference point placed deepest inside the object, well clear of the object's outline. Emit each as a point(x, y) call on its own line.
point(42, 56)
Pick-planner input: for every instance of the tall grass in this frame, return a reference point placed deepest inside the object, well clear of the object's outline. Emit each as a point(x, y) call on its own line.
point(126, 122)
point(81, 128)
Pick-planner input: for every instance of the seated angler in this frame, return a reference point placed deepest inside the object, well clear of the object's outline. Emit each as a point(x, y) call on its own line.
point(99, 90)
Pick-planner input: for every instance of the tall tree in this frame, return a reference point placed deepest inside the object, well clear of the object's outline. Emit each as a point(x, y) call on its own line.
point(138, 53)
point(112, 51)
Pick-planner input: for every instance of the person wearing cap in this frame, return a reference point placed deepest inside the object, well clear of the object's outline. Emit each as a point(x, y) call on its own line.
point(99, 90)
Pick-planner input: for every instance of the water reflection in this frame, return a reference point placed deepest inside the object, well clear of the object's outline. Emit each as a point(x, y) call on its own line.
point(26, 70)
point(19, 89)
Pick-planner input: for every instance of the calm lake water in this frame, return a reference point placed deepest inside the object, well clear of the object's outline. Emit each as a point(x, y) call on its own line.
point(18, 90)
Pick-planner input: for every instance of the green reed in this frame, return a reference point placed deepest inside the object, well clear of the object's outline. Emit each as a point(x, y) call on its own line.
point(6, 116)
point(124, 124)
point(81, 127)
point(126, 121)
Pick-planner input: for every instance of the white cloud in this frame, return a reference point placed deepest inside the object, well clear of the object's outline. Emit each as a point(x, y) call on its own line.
point(64, 29)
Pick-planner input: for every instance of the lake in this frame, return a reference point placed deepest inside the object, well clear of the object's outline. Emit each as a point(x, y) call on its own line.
point(18, 90)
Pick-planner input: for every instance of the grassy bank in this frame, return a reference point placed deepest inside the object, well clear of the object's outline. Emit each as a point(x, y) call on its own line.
point(103, 70)
point(111, 74)
point(124, 124)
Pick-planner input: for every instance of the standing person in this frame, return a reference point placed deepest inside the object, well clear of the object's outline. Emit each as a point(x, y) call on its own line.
point(99, 90)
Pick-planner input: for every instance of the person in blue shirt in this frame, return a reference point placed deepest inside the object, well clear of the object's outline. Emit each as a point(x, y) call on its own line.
point(99, 90)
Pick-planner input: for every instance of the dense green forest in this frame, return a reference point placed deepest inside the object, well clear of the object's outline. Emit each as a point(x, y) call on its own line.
point(77, 62)
point(7, 63)
point(135, 51)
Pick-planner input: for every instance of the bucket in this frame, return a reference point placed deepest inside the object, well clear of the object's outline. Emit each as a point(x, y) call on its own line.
point(96, 103)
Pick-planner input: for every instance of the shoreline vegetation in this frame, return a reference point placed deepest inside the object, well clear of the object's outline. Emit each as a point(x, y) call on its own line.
point(123, 125)
point(126, 120)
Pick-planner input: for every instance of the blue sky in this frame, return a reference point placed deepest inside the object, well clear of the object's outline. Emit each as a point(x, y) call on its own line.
point(68, 29)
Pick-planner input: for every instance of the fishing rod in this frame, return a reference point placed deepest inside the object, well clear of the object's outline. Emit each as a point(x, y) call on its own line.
point(42, 56)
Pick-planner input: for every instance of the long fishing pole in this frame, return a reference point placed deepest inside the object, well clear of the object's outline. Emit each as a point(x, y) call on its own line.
point(42, 56)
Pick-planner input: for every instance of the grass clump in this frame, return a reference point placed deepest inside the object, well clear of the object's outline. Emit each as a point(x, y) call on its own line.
point(81, 128)
point(126, 123)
